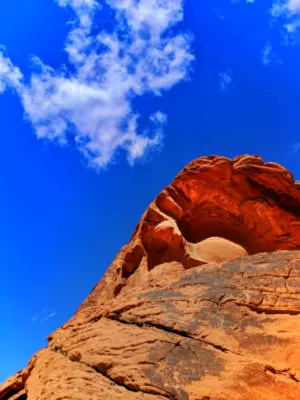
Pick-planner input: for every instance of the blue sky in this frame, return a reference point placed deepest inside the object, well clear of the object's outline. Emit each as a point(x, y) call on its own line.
point(93, 127)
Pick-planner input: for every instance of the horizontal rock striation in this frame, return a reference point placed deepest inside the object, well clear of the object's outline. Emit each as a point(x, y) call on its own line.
point(202, 304)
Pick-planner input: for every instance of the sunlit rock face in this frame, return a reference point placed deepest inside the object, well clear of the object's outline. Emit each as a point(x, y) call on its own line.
point(216, 249)
point(202, 304)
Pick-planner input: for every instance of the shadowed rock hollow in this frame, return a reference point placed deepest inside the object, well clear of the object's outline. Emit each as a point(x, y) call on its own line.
point(202, 304)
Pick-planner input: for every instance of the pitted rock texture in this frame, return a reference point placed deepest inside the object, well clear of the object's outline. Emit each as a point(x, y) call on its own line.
point(202, 304)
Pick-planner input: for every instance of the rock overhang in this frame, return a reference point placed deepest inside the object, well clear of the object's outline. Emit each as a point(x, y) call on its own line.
point(253, 204)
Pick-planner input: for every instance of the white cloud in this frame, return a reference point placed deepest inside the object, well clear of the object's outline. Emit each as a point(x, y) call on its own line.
point(294, 5)
point(10, 76)
point(288, 11)
point(91, 98)
point(267, 55)
point(225, 79)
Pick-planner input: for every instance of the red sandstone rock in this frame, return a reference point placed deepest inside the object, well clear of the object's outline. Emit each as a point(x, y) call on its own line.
point(202, 304)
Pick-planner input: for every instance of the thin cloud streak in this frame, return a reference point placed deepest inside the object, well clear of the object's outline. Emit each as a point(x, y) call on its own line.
point(295, 148)
point(44, 316)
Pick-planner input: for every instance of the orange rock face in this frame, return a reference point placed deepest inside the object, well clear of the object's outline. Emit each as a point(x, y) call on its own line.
point(202, 304)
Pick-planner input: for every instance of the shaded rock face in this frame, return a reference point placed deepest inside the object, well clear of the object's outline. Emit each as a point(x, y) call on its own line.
point(202, 304)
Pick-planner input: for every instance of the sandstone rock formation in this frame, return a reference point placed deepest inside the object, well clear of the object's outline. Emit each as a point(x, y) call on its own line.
point(202, 304)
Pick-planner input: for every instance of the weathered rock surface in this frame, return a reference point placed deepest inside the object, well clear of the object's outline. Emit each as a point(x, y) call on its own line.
point(202, 304)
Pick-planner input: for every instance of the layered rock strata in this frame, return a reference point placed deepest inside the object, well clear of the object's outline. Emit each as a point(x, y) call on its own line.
point(202, 304)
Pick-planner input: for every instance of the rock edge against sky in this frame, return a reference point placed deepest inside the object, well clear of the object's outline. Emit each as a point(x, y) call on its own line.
point(202, 304)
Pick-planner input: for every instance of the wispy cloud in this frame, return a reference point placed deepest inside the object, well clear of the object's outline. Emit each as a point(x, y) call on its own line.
point(91, 98)
point(267, 55)
point(295, 147)
point(34, 319)
point(225, 79)
point(288, 12)
point(44, 316)
point(242, 1)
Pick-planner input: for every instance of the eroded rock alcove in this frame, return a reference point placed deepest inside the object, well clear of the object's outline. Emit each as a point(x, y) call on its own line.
point(252, 204)
point(202, 304)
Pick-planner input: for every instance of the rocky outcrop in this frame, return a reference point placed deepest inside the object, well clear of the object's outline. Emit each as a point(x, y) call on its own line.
point(202, 304)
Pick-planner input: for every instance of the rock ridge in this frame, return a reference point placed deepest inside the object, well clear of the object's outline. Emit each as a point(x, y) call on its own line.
point(203, 303)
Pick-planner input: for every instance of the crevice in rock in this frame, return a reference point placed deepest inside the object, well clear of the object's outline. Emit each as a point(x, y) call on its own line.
point(119, 288)
point(285, 372)
point(263, 310)
point(179, 193)
point(132, 260)
point(120, 310)
point(169, 353)
point(281, 200)
point(286, 276)
point(14, 393)
point(104, 373)
point(181, 333)
point(22, 397)
point(129, 388)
